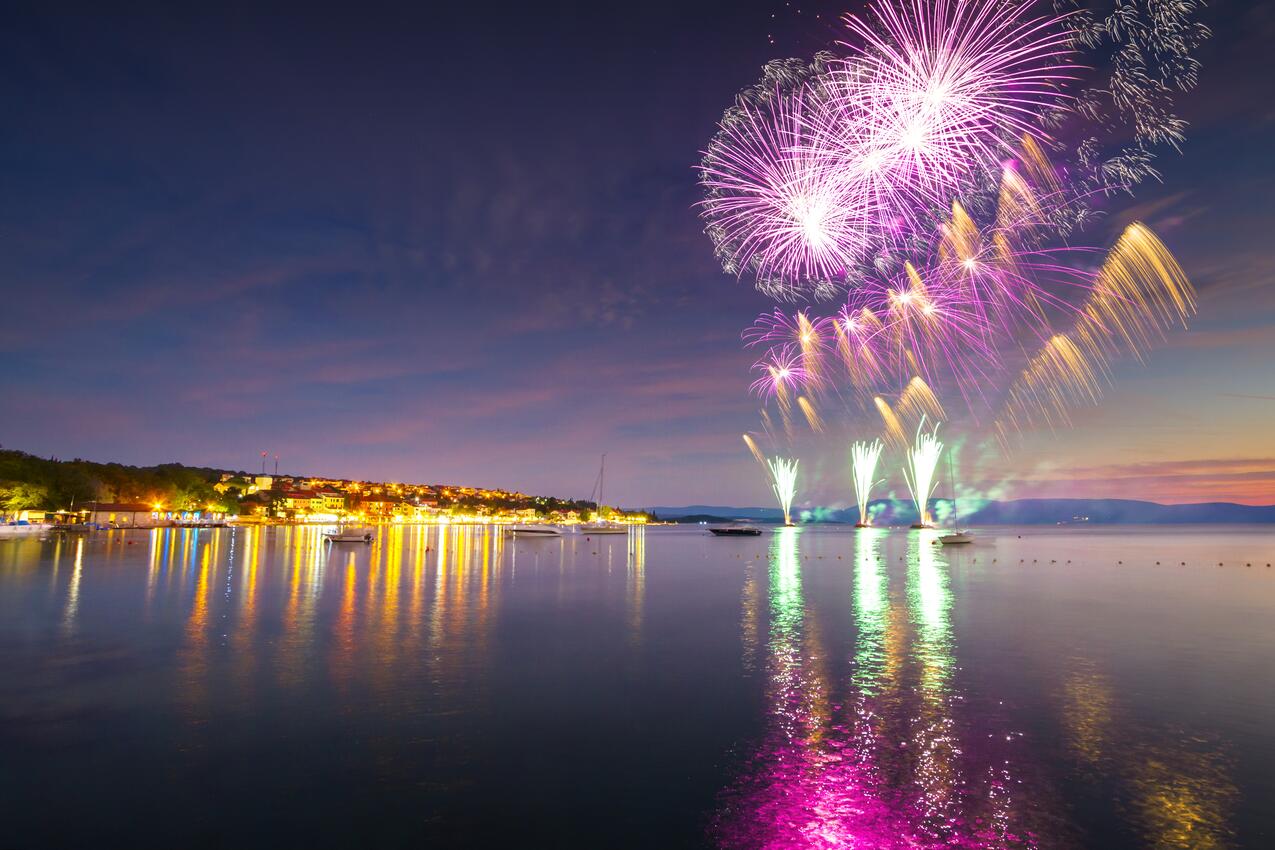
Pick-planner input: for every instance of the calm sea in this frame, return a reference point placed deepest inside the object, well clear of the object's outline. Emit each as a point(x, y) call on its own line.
point(817, 687)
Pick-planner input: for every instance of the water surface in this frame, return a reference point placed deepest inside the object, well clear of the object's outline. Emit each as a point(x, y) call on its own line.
point(816, 687)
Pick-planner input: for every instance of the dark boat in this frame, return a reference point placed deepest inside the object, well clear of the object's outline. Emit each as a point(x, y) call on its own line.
point(736, 531)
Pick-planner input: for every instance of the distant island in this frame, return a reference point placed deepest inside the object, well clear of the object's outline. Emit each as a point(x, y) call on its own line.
point(1012, 512)
point(46, 489)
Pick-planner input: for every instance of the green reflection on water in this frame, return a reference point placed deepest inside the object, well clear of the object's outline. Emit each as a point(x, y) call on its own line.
point(871, 611)
point(930, 604)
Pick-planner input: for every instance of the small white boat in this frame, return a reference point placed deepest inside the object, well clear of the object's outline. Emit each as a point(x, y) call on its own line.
point(604, 528)
point(348, 536)
point(956, 537)
point(533, 531)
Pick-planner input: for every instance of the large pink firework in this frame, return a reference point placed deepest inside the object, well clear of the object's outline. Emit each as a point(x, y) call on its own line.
point(946, 87)
point(775, 208)
point(809, 186)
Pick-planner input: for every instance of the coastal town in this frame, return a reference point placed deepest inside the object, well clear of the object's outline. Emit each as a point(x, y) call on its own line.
point(40, 492)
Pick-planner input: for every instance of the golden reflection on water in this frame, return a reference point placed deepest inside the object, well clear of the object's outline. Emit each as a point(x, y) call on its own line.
point(73, 591)
point(635, 581)
point(1178, 789)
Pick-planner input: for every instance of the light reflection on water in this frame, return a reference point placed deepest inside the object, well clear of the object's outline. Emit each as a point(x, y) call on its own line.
point(898, 759)
point(880, 763)
point(814, 688)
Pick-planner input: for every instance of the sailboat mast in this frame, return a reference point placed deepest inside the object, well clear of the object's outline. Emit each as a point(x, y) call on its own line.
point(602, 480)
point(956, 515)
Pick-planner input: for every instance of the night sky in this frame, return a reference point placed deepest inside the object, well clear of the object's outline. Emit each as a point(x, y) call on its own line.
point(460, 245)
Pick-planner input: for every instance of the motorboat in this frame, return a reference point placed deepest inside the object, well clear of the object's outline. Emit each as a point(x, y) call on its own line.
point(348, 536)
point(23, 529)
point(534, 531)
point(604, 528)
point(736, 531)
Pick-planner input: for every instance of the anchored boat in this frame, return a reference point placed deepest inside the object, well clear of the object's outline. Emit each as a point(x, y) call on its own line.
point(735, 531)
point(533, 531)
point(348, 536)
point(602, 526)
point(955, 536)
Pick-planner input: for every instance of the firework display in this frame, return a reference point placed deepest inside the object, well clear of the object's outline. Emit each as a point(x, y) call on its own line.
point(863, 469)
point(922, 187)
point(922, 461)
point(783, 474)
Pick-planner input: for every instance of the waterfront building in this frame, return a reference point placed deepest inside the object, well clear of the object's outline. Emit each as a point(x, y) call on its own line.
point(125, 515)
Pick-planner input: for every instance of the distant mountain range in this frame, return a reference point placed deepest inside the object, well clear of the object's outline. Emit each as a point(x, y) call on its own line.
point(1014, 512)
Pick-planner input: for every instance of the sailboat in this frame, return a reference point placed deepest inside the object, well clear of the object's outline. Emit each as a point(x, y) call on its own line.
point(955, 536)
point(602, 526)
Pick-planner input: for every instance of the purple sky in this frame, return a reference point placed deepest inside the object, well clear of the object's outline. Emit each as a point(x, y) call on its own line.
point(460, 246)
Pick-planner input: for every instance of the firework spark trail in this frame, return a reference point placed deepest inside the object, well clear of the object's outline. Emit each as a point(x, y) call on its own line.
point(923, 459)
point(801, 340)
point(780, 375)
point(856, 332)
point(918, 400)
point(783, 475)
point(1139, 293)
point(985, 292)
point(863, 466)
point(812, 415)
point(752, 447)
point(894, 434)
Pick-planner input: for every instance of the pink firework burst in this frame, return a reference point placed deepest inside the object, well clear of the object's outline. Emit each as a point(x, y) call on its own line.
point(780, 373)
point(945, 87)
point(808, 187)
point(776, 206)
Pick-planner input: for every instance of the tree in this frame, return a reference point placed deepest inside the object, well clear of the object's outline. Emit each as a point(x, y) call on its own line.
point(20, 496)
